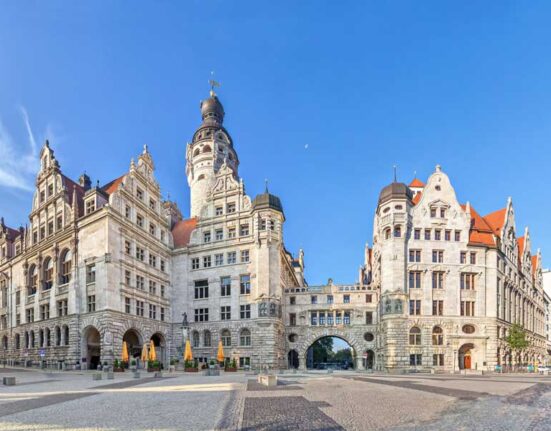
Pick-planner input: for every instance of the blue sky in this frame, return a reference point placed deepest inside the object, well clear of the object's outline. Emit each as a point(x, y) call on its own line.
point(364, 85)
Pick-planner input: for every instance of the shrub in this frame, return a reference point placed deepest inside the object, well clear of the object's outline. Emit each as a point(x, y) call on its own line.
point(116, 363)
point(133, 363)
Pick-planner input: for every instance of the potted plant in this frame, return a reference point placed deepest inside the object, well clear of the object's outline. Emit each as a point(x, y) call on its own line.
point(190, 367)
point(118, 367)
point(153, 366)
point(212, 363)
point(231, 366)
point(133, 365)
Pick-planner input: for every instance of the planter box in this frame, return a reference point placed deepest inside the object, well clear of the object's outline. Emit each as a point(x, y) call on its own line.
point(8, 381)
point(97, 376)
point(230, 370)
point(153, 370)
point(191, 370)
point(267, 379)
point(118, 370)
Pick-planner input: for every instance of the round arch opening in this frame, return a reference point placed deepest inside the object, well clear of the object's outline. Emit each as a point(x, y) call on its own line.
point(91, 348)
point(158, 340)
point(465, 356)
point(134, 343)
point(330, 352)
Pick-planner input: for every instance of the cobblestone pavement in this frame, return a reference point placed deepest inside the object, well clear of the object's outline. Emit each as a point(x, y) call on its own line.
point(311, 401)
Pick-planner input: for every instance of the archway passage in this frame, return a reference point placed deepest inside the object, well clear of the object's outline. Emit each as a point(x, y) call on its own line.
point(464, 356)
point(330, 352)
point(91, 348)
point(369, 359)
point(292, 359)
point(160, 346)
point(133, 343)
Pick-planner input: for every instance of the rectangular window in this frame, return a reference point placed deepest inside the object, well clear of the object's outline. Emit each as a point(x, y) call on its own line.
point(139, 193)
point(415, 359)
point(245, 311)
point(225, 312)
point(467, 280)
point(427, 234)
point(127, 305)
point(313, 299)
point(152, 311)
point(458, 235)
point(152, 204)
point(230, 208)
point(91, 303)
point(140, 253)
point(438, 280)
point(415, 307)
point(219, 259)
point(231, 232)
point(437, 256)
point(201, 314)
point(162, 291)
point(467, 308)
point(292, 319)
point(127, 211)
point(314, 319)
point(225, 286)
point(346, 299)
point(292, 300)
point(59, 222)
point(244, 361)
point(321, 316)
point(152, 287)
point(415, 255)
point(127, 247)
point(152, 260)
point(50, 227)
point(415, 279)
point(162, 316)
point(245, 284)
point(219, 211)
point(139, 308)
point(195, 263)
point(219, 234)
point(438, 308)
point(201, 289)
point(152, 229)
point(139, 220)
point(62, 308)
point(329, 318)
point(442, 212)
point(91, 273)
point(463, 257)
point(244, 230)
point(330, 299)
point(417, 234)
point(346, 318)
point(244, 256)
point(438, 359)
point(127, 277)
point(232, 257)
point(437, 234)
point(163, 265)
point(206, 236)
point(473, 258)
point(90, 206)
point(140, 282)
point(30, 315)
point(44, 312)
point(206, 262)
point(369, 298)
point(448, 235)
point(369, 317)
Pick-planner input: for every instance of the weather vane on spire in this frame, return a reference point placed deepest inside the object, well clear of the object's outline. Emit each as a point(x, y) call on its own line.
point(213, 84)
point(395, 167)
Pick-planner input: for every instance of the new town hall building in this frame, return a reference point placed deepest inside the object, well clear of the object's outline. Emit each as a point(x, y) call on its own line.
point(99, 265)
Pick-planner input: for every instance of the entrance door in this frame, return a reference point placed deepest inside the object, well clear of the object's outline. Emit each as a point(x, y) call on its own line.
point(467, 364)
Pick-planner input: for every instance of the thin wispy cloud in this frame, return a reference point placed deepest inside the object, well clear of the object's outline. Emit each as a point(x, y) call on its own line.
point(18, 162)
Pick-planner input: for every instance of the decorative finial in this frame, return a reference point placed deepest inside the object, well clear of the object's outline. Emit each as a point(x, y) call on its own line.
point(145, 150)
point(395, 167)
point(438, 168)
point(266, 184)
point(213, 84)
point(414, 174)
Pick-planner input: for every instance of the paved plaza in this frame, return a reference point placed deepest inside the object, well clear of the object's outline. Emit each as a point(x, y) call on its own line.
point(309, 401)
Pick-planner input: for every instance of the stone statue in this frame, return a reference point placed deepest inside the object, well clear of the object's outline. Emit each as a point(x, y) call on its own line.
point(185, 322)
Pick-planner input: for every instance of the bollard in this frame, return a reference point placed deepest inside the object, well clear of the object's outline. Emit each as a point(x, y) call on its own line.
point(9, 381)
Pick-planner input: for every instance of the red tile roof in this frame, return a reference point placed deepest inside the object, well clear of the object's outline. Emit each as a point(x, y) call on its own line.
point(481, 233)
point(112, 186)
point(416, 183)
point(520, 242)
point(181, 232)
point(496, 220)
point(417, 198)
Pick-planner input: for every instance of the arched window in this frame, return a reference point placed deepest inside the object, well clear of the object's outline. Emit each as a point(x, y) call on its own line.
point(226, 338)
point(195, 339)
point(65, 335)
point(207, 149)
point(48, 273)
point(230, 156)
point(201, 177)
point(415, 336)
point(17, 341)
point(196, 152)
point(5, 342)
point(57, 336)
point(41, 338)
point(47, 338)
point(437, 336)
point(207, 339)
point(245, 337)
point(397, 231)
point(65, 276)
point(33, 280)
point(387, 233)
point(31, 339)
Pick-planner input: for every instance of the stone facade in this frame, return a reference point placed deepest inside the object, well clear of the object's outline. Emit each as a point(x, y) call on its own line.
point(97, 266)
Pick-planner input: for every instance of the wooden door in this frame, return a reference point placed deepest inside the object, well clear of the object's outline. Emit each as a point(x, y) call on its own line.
point(467, 364)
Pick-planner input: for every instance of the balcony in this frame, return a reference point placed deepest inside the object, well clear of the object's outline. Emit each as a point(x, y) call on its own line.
point(45, 294)
point(60, 290)
point(30, 299)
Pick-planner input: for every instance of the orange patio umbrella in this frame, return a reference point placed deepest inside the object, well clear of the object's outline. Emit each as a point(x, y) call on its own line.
point(220, 355)
point(188, 355)
point(152, 352)
point(144, 353)
point(124, 352)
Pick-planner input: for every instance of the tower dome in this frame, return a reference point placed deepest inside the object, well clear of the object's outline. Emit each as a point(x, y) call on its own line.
point(212, 110)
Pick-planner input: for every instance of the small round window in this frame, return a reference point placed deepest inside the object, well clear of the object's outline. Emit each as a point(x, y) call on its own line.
point(387, 209)
point(368, 336)
point(438, 188)
point(468, 329)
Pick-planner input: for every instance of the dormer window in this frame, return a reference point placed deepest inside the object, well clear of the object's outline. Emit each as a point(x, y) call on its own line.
point(42, 196)
point(443, 212)
point(230, 209)
point(50, 189)
point(139, 193)
point(90, 206)
point(433, 212)
point(387, 233)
